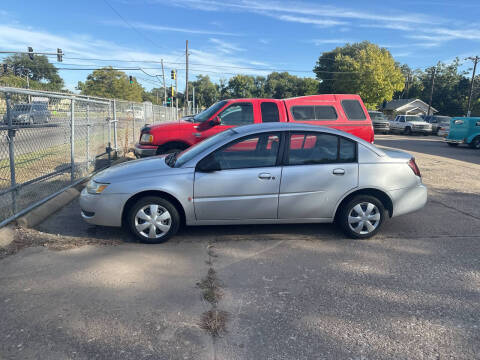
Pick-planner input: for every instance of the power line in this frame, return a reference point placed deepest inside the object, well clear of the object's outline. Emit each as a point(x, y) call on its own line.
point(130, 25)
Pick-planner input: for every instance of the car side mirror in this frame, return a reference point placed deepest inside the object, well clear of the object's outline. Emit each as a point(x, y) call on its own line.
point(215, 121)
point(208, 164)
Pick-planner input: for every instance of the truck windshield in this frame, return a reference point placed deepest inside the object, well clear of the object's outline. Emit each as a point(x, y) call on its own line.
point(207, 113)
point(193, 151)
point(414, 118)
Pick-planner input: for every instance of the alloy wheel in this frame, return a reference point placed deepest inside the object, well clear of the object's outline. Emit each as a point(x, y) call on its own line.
point(364, 218)
point(153, 221)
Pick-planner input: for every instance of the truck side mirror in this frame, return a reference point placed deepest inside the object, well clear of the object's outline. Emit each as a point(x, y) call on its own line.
point(215, 121)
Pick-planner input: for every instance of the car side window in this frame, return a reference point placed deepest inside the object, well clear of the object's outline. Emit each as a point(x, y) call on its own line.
point(269, 112)
point(260, 150)
point(237, 114)
point(319, 148)
point(401, 119)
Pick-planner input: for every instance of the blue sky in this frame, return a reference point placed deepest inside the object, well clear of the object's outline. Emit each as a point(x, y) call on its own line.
point(235, 36)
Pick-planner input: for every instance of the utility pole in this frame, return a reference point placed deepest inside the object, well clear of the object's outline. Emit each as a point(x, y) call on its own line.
point(408, 84)
point(186, 74)
point(164, 85)
point(431, 91)
point(475, 61)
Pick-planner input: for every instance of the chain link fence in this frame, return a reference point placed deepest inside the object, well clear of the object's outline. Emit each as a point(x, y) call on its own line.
point(51, 141)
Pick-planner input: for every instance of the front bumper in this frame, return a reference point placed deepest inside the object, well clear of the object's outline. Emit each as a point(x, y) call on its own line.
point(409, 199)
point(145, 150)
point(420, 130)
point(102, 209)
point(453, 141)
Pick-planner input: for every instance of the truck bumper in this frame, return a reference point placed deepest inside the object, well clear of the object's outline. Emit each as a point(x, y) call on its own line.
point(452, 141)
point(145, 150)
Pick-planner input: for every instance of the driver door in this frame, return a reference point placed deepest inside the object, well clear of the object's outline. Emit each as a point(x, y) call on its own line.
point(246, 184)
point(237, 114)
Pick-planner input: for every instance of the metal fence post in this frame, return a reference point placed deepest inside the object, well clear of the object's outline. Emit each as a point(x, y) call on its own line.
point(88, 137)
point(72, 139)
point(114, 105)
point(109, 135)
point(133, 115)
point(11, 154)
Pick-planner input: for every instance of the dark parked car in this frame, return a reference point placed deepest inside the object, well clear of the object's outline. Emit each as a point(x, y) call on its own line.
point(380, 122)
point(437, 122)
point(29, 114)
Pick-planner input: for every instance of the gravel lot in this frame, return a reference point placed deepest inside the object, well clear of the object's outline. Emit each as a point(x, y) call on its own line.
point(291, 291)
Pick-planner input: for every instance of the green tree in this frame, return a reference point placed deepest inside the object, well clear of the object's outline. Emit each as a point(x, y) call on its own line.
point(41, 73)
point(206, 93)
point(110, 83)
point(361, 68)
point(241, 86)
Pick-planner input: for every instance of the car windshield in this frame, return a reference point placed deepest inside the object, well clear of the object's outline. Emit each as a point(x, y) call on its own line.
point(377, 116)
point(193, 151)
point(414, 118)
point(207, 113)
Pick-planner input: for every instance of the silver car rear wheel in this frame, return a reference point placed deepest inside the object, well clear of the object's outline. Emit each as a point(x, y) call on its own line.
point(364, 218)
point(153, 221)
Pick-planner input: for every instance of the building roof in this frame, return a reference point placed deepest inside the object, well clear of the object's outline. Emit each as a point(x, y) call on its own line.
point(399, 103)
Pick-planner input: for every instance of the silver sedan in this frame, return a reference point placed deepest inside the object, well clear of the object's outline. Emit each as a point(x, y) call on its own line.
point(258, 174)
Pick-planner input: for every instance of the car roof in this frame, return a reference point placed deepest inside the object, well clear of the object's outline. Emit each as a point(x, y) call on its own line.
point(288, 126)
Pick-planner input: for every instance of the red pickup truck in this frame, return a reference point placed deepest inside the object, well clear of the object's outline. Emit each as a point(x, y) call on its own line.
point(343, 112)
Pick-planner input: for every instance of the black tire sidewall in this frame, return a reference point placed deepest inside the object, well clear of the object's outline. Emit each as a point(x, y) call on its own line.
point(408, 131)
point(175, 218)
point(346, 208)
point(475, 144)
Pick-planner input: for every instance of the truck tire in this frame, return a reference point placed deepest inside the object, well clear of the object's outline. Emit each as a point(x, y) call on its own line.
point(407, 131)
point(475, 143)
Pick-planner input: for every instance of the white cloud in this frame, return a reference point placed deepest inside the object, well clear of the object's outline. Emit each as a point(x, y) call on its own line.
point(225, 47)
point(319, 42)
point(161, 28)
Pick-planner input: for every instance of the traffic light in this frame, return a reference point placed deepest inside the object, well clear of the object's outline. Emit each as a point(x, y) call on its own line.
point(130, 79)
point(173, 74)
point(5, 68)
point(59, 55)
point(172, 90)
point(30, 53)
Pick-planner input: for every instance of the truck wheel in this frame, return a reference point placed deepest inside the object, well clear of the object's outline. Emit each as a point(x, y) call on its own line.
point(361, 217)
point(153, 220)
point(407, 131)
point(475, 144)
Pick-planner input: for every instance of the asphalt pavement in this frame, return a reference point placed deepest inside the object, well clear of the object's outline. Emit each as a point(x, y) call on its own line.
point(290, 291)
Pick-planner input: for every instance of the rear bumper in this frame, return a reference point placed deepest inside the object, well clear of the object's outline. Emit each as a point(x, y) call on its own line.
point(408, 200)
point(145, 150)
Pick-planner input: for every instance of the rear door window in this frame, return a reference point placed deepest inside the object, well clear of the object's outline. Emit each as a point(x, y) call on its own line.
point(353, 110)
point(269, 112)
point(318, 148)
point(313, 113)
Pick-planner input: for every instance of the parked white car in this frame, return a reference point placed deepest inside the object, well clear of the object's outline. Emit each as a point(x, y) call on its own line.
point(409, 124)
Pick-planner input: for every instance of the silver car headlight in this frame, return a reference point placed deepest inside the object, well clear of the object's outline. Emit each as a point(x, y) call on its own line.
point(94, 187)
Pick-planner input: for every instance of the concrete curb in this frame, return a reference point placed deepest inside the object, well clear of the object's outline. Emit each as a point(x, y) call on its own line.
point(7, 234)
point(37, 215)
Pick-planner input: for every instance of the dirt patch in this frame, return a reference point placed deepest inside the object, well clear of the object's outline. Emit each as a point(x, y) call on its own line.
point(214, 321)
point(24, 238)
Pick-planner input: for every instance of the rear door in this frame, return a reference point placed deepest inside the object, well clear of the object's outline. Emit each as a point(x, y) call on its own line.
point(319, 169)
point(247, 184)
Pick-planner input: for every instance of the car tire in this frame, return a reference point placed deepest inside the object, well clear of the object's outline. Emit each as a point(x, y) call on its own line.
point(452, 144)
point(169, 223)
point(368, 210)
point(407, 131)
point(475, 143)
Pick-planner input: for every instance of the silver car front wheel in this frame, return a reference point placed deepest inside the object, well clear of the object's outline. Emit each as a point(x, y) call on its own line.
point(153, 219)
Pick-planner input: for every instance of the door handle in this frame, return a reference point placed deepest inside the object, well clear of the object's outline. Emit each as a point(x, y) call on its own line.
point(338, 172)
point(265, 176)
